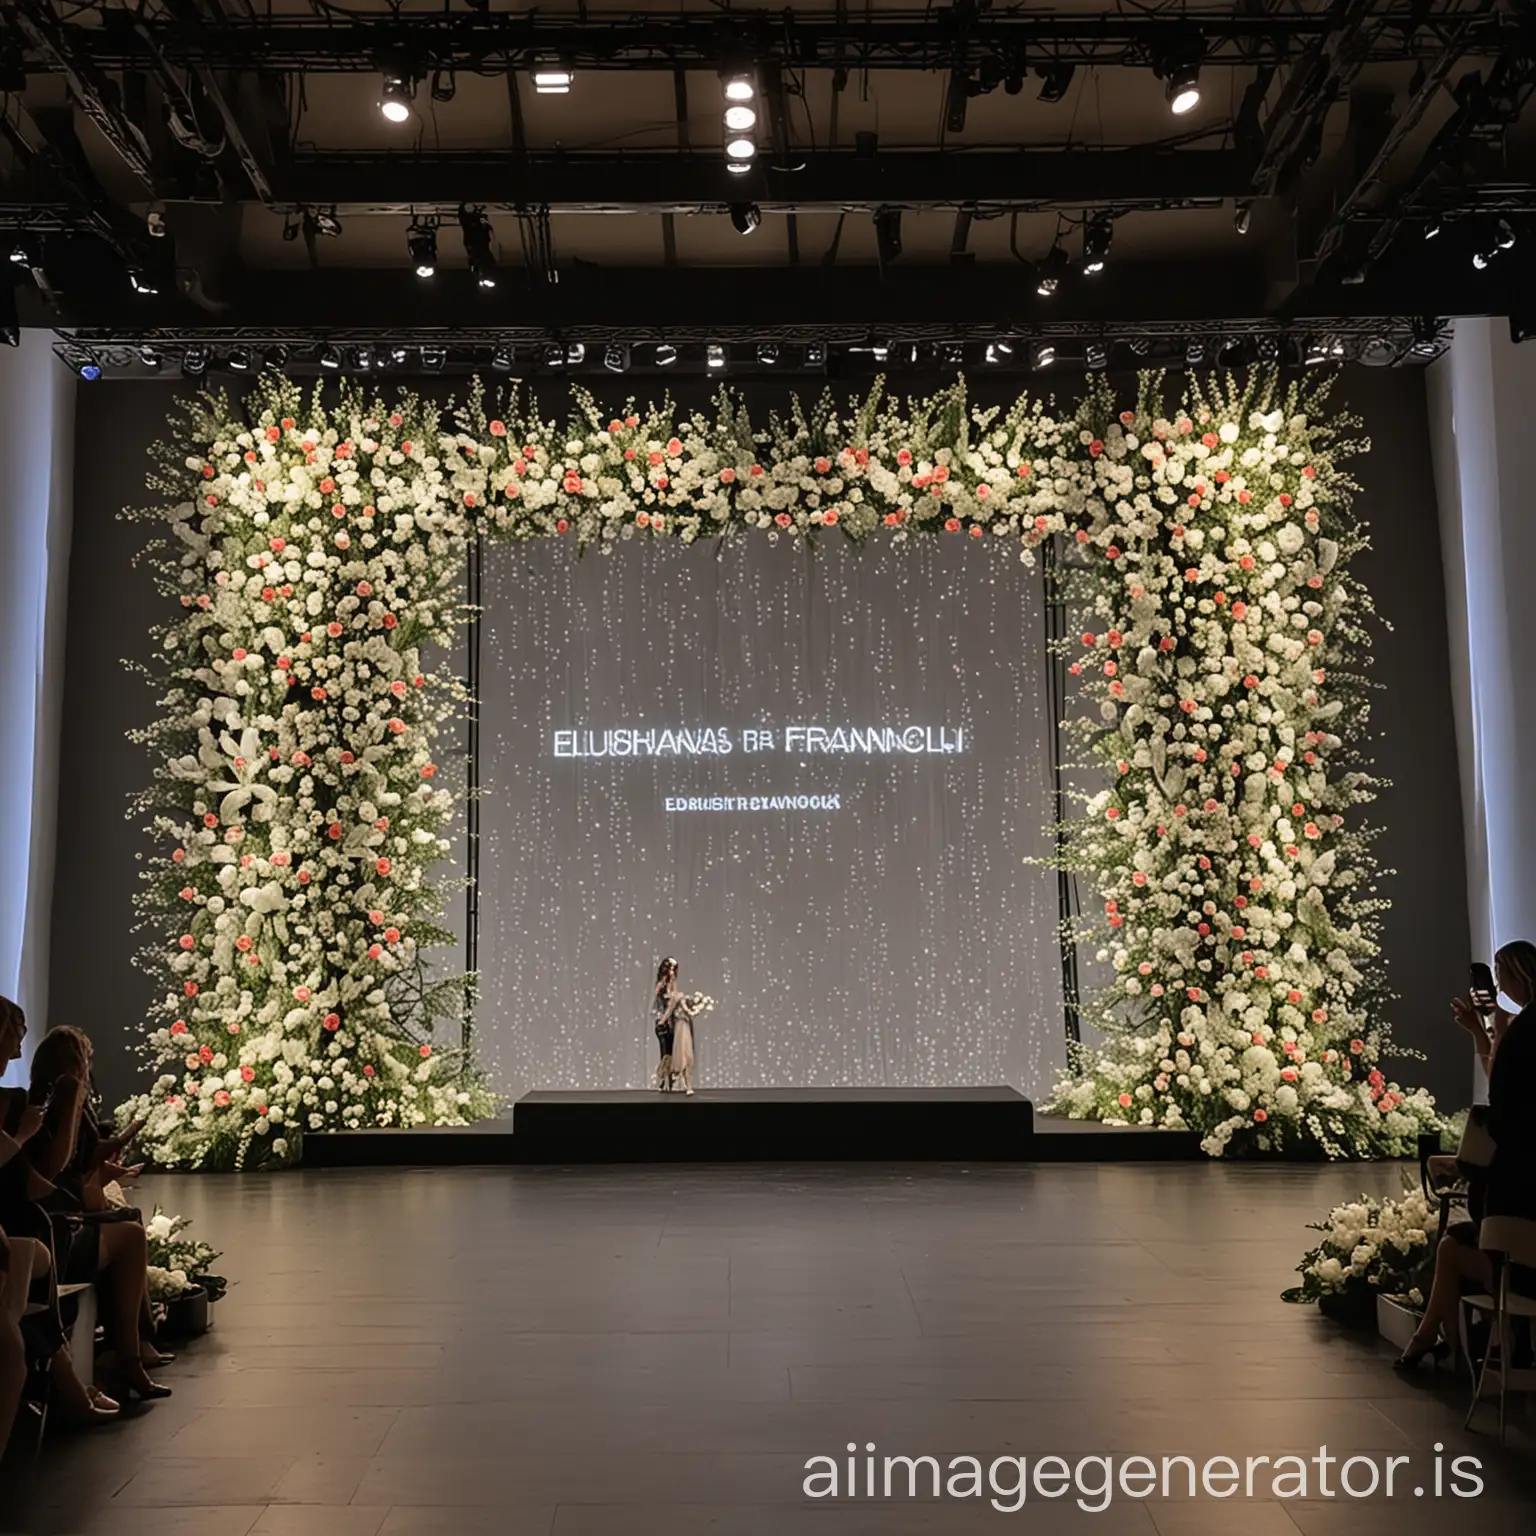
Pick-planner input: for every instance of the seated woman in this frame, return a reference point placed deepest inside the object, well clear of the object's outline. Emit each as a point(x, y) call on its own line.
point(71, 1155)
point(27, 1261)
point(1509, 1186)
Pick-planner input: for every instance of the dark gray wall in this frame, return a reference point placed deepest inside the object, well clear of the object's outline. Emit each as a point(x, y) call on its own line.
point(112, 604)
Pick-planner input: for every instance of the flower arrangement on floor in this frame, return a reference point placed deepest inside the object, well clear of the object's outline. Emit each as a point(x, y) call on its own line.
point(1370, 1247)
point(299, 802)
point(1221, 655)
point(177, 1264)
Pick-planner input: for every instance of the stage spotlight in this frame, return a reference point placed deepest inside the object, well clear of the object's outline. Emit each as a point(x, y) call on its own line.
point(1183, 89)
point(1379, 352)
point(888, 234)
point(1480, 260)
point(362, 358)
point(1194, 351)
point(1322, 349)
point(276, 357)
point(1242, 217)
point(476, 230)
point(666, 354)
point(20, 255)
point(240, 359)
point(141, 282)
point(1433, 228)
point(1042, 355)
point(768, 353)
point(325, 222)
point(434, 359)
point(576, 353)
point(1268, 348)
point(1056, 81)
point(745, 217)
point(739, 121)
point(395, 96)
point(815, 354)
point(501, 358)
point(1505, 237)
point(951, 353)
point(149, 357)
point(421, 242)
point(1097, 234)
point(616, 358)
point(330, 358)
point(714, 355)
point(552, 79)
point(1141, 346)
point(1095, 356)
point(1051, 271)
point(89, 369)
point(194, 361)
point(554, 356)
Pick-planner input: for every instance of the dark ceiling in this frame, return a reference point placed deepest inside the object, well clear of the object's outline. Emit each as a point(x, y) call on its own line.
point(219, 172)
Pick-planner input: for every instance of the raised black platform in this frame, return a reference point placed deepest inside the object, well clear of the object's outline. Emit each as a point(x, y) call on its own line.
point(776, 1125)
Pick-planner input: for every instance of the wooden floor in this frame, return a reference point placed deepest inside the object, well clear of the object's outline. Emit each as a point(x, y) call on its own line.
point(600, 1352)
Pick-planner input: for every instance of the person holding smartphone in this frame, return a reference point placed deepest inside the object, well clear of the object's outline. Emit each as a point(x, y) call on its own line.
point(1506, 1045)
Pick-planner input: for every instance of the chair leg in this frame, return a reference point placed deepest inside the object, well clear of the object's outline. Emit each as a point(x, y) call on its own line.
point(1481, 1376)
point(1505, 1350)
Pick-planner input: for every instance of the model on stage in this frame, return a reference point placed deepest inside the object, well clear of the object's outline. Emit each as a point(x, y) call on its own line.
point(665, 1001)
point(674, 1013)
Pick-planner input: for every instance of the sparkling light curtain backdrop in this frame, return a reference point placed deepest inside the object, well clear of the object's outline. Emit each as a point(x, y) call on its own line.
point(899, 940)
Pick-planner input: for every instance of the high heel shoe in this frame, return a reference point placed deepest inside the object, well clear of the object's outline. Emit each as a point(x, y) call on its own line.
point(131, 1383)
point(1412, 1357)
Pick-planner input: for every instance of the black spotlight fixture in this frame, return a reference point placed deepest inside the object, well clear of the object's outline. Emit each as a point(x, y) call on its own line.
point(194, 361)
point(322, 221)
point(616, 357)
point(434, 359)
point(1194, 351)
point(1056, 81)
point(1504, 235)
point(1183, 88)
point(1242, 217)
point(745, 217)
point(1097, 234)
point(142, 282)
point(276, 358)
point(815, 354)
point(149, 356)
point(362, 359)
point(768, 353)
point(396, 92)
point(240, 359)
point(1176, 62)
point(1095, 356)
point(554, 355)
point(1042, 354)
point(665, 354)
point(1268, 347)
point(501, 358)
point(887, 234)
point(1433, 226)
point(951, 353)
point(88, 368)
point(1050, 272)
point(715, 356)
point(330, 358)
point(421, 242)
point(476, 229)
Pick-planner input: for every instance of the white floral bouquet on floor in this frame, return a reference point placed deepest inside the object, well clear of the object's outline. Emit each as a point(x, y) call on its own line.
point(1370, 1246)
point(177, 1264)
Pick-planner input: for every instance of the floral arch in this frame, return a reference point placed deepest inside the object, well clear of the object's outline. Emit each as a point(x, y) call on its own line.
point(298, 807)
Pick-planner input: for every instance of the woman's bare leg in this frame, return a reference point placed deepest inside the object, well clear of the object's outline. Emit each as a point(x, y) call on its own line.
point(1456, 1265)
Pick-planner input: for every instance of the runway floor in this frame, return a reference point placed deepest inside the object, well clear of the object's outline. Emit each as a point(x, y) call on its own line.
point(616, 1352)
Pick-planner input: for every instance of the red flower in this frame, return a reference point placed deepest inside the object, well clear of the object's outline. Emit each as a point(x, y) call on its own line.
point(498, 429)
point(426, 1051)
point(561, 526)
point(367, 1071)
point(248, 1074)
point(951, 525)
point(1095, 448)
point(727, 475)
point(382, 866)
point(1124, 1101)
point(830, 517)
point(189, 988)
point(783, 519)
point(332, 1021)
point(221, 1098)
point(1261, 1115)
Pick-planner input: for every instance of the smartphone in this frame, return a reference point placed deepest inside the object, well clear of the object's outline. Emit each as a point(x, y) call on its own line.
point(1484, 993)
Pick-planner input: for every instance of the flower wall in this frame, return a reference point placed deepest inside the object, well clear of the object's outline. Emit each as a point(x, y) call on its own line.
point(1223, 651)
point(305, 762)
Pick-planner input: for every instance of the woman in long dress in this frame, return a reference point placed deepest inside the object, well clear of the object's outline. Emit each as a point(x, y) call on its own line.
point(682, 1045)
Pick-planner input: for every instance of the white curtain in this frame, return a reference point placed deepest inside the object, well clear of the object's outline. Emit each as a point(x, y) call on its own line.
point(37, 410)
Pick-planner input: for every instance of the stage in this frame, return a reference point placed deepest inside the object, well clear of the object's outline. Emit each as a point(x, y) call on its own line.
point(769, 1125)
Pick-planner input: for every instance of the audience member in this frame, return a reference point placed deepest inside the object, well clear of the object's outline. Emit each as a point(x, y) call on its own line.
point(1507, 1049)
